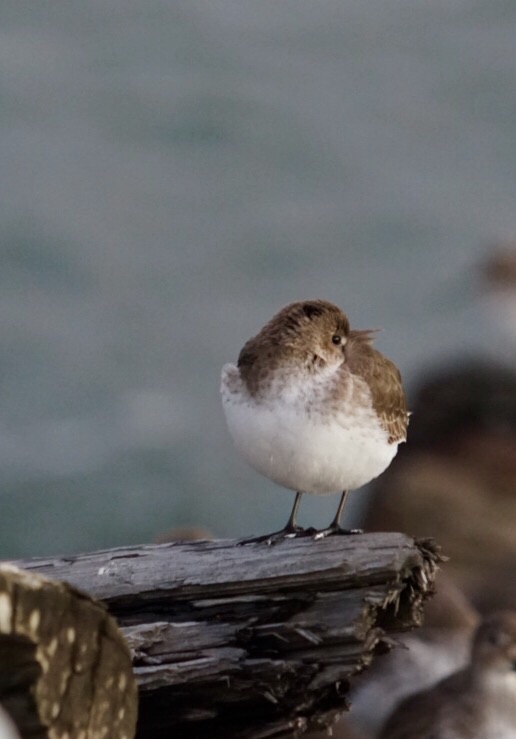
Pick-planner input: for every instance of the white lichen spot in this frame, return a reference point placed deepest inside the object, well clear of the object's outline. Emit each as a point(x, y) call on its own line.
point(26, 578)
point(6, 613)
point(121, 713)
point(122, 681)
point(66, 735)
point(103, 571)
point(35, 618)
point(42, 659)
point(51, 649)
point(55, 710)
point(11, 569)
point(70, 635)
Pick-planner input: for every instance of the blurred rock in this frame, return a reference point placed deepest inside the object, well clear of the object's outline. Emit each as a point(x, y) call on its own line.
point(65, 667)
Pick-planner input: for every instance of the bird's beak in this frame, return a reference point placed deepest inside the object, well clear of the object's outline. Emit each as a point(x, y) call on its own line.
point(364, 334)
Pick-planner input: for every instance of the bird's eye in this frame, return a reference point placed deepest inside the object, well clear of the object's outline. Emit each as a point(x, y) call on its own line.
point(336, 339)
point(498, 638)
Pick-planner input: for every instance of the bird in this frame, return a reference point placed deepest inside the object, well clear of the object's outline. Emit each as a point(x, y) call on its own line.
point(313, 406)
point(439, 648)
point(498, 282)
point(476, 702)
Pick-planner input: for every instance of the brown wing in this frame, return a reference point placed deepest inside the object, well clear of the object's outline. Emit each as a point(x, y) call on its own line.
point(384, 380)
point(415, 717)
point(389, 400)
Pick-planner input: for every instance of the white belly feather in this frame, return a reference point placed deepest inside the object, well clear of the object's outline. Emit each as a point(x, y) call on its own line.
point(306, 452)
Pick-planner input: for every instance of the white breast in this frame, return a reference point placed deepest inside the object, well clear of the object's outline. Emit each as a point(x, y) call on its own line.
point(306, 450)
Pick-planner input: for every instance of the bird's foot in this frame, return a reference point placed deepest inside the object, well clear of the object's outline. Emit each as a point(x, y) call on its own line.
point(335, 530)
point(289, 532)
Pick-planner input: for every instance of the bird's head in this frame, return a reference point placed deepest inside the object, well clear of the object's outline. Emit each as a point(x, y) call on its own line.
point(494, 643)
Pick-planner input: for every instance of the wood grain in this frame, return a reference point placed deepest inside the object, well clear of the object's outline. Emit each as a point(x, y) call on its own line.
point(251, 641)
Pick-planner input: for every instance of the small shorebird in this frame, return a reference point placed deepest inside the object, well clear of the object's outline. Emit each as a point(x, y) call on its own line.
point(313, 406)
point(498, 276)
point(477, 702)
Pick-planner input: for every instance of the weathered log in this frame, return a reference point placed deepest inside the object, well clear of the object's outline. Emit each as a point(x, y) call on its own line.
point(252, 641)
point(65, 669)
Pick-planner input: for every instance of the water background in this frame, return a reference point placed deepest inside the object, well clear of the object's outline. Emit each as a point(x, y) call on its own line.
point(172, 174)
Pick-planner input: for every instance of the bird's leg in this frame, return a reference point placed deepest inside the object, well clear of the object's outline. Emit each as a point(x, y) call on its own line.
point(335, 524)
point(291, 526)
point(335, 527)
point(289, 531)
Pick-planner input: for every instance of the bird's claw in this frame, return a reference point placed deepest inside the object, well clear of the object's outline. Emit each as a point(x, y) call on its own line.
point(289, 532)
point(335, 531)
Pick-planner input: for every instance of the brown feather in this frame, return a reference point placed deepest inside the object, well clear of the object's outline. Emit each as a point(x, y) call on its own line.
point(296, 334)
point(290, 336)
point(419, 715)
point(461, 705)
point(384, 380)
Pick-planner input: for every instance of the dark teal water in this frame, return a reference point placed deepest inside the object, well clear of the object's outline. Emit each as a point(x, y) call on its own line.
point(174, 172)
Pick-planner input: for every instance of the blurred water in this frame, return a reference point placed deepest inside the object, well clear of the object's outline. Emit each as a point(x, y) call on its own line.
point(174, 172)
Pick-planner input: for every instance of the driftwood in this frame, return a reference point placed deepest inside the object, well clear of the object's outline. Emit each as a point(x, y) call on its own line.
point(65, 669)
point(252, 641)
